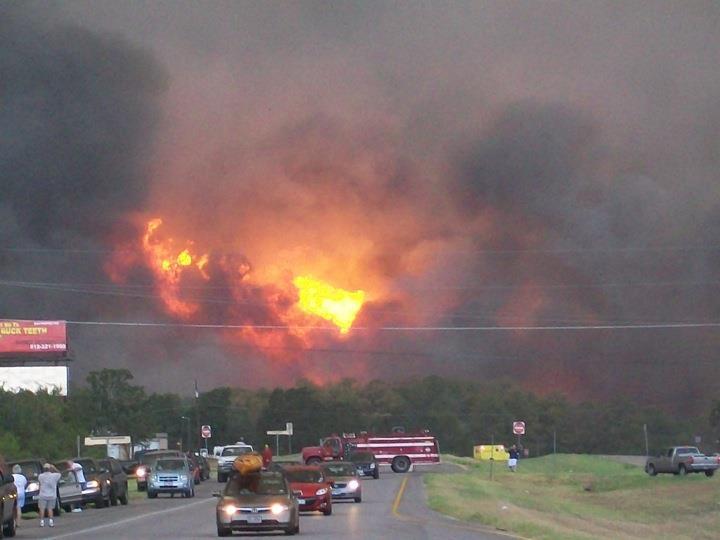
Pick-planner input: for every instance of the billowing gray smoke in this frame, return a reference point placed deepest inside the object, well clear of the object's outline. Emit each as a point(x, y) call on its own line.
point(537, 164)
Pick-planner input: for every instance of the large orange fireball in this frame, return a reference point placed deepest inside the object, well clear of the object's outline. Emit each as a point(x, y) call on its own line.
point(332, 304)
point(172, 263)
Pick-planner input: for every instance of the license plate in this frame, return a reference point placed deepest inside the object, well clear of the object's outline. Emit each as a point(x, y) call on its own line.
point(336, 492)
point(254, 519)
point(301, 501)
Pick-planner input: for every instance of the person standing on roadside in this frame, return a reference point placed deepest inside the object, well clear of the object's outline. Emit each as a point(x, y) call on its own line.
point(47, 497)
point(20, 483)
point(514, 454)
point(267, 456)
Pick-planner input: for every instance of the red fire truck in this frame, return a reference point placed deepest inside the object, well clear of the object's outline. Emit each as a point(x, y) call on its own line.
point(399, 450)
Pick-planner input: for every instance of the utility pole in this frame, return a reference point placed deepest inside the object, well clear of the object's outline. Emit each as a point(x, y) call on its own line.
point(492, 455)
point(647, 446)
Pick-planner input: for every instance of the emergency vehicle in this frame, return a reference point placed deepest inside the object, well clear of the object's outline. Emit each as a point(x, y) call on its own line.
point(399, 450)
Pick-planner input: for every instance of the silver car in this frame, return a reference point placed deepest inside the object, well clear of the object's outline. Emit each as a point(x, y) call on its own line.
point(171, 475)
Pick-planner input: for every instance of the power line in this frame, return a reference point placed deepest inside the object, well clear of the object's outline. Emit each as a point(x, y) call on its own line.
point(650, 326)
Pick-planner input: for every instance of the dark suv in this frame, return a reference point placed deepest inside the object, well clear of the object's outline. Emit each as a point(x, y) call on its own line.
point(118, 480)
point(8, 500)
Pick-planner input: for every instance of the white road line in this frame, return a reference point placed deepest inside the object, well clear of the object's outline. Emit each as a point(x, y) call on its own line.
point(130, 520)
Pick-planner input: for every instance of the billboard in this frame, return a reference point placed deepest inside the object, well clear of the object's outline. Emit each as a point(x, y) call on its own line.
point(27, 338)
point(34, 378)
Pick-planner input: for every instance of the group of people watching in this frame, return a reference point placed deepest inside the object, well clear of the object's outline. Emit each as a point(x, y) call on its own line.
point(47, 495)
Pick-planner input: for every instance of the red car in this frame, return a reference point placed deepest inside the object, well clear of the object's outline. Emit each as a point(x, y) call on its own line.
point(312, 489)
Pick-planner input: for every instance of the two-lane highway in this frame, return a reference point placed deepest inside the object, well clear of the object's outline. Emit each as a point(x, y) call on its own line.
point(393, 507)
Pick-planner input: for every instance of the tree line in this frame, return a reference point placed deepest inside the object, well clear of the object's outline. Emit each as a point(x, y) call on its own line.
point(460, 413)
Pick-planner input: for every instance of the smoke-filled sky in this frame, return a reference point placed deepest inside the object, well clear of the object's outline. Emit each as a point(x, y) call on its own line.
point(471, 164)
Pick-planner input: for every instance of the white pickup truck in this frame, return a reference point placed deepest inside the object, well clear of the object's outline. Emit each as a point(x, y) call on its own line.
point(227, 457)
point(682, 460)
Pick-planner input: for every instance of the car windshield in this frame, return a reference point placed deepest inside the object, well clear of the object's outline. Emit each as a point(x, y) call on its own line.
point(305, 476)
point(30, 470)
point(150, 459)
point(169, 464)
point(339, 469)
point(257, 484)
point(236, 451)
point(362, 457)
point(87, 465)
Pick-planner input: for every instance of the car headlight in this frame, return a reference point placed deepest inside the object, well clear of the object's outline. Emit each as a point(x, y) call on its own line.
point(321, 491)
point(154, 478)
point(92, 484)
point(278, 508)
point(372, 465)
point(230, 509)
point(141, 472)
point(183, 477)
point(33, 486)
point(353, 485)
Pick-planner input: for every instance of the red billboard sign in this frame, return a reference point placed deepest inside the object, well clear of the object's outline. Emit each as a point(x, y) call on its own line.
point(26, 338)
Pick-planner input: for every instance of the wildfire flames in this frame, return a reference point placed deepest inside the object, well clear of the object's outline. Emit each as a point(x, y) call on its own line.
point(172, 263)
point(335, 305)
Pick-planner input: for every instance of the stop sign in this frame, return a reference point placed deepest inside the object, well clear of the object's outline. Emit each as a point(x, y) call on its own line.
point(206, 432)
point(519, 428)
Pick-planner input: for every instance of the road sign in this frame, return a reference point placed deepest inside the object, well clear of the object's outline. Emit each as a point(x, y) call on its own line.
point(519, 428)
point(206, 432)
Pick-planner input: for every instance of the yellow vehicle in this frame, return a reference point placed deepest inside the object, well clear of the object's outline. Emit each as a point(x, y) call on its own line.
point(487, 452)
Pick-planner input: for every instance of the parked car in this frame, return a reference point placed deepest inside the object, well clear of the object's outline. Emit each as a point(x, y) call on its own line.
point(118, 480)
point(204, 466)
point(97, 480)
point(366, 464)
point(682, 460)
point(343, 478)
point(70, 491)
point(261, 501)
point(129, 466)
point(311, 488)
point(147, 461)
point(8, 500)
point(171, 475)
point(194, 467)
point(227, 457)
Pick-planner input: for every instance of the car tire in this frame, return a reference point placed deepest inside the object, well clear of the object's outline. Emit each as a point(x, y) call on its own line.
point(376, 474)
point(651, 470)
point(9, 529)
point(66, 508)
point(151, 494)
point(328, 510)
point(709, 473)
point(56, 510)
point(682, 470)
point(358, 499)
point(401, 464)
point(113, 498)
point(292, 531)
point(101, 502)
point(313, 461)
point(124, 497)
point(223, 531)
point(221, 477)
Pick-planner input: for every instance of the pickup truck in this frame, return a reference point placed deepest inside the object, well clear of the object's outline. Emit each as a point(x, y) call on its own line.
point(227, 458)
point(682, 460)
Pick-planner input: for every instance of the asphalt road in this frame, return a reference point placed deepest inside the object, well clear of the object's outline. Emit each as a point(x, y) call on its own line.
point(393, 507)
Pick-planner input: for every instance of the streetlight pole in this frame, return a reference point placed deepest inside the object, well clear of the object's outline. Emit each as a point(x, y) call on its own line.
point(188, 431)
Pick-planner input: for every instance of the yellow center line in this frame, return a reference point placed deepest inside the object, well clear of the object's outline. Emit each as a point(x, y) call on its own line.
point(398, 498)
